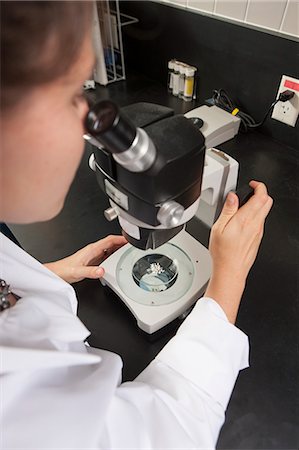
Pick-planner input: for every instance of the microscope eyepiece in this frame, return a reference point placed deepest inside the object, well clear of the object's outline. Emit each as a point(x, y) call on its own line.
point(114, 131)
point(131, 147)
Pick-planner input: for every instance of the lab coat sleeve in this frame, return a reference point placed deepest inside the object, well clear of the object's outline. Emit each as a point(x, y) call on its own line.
point(179, 400)
point(208, 351)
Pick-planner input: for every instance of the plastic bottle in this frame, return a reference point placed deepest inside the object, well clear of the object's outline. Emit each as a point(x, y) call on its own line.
point(170, 75)
point(189, 83)
point(176, 79)
point(182, 71)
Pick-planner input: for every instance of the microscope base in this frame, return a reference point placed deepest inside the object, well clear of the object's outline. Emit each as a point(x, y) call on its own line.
point(157, 314)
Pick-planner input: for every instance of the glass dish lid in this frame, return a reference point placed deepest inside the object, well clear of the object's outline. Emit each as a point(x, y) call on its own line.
point(155, 277)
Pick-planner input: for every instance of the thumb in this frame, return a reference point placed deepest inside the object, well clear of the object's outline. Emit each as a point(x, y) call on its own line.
point(229, 209)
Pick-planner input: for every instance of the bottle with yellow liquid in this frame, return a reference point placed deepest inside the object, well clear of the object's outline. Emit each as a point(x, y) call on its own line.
point(189, 83)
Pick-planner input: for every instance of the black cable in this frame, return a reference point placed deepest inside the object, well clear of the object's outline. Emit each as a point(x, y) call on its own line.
point(255, 125)
point(222, 100)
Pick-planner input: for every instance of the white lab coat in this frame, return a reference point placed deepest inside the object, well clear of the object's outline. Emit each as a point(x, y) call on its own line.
point(58, 393)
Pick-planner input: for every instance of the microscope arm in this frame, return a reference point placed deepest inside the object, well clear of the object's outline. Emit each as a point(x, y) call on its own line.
point(220, 176)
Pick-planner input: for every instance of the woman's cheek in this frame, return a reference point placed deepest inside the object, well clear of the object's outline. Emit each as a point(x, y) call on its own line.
point(75, 140)
point(82, 110)
point(80, 107)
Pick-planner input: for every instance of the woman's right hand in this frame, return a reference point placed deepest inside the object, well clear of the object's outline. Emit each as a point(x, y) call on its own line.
point(234, 243)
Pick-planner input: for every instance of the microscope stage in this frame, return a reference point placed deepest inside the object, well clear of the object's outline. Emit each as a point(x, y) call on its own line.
point(159, 285)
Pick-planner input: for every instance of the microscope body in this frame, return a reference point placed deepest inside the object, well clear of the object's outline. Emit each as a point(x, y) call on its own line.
point(153, 205)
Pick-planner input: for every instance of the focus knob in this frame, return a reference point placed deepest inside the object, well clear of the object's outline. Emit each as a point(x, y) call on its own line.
point(110, 214)
point(170, 214)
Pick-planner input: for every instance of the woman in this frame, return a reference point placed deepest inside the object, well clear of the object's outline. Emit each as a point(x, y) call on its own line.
point(56, 392)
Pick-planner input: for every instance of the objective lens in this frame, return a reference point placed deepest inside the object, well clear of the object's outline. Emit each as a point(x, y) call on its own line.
point(155, 272)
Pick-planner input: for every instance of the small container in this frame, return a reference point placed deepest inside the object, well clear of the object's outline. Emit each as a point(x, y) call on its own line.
point(182, 80)
point(176, 79)
point(170, 75)
point(189, 83)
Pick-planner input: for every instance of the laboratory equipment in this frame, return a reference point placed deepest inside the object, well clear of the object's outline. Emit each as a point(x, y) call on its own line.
point(150, 164)
point(155, 171)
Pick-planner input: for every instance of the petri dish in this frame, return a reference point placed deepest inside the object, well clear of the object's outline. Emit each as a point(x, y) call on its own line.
point(155, 272)
point(155, 277)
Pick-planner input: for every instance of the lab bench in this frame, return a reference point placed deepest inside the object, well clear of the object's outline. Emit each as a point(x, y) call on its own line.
point(262, 411)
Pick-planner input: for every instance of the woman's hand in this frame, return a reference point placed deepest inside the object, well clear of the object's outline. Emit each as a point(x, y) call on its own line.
point(85, 262)
point(234, 243)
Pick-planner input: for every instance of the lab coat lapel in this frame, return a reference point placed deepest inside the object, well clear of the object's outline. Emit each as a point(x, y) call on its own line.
point(45, 315)
point(26, 275)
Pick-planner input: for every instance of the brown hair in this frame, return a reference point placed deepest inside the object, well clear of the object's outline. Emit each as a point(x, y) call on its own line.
point(39, 42)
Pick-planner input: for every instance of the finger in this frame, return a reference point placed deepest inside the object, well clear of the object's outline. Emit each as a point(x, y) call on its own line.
point(116, 241)
point(109, 251)
point(258, 185)
point(262, 214)
point(113, 243)
point(109, 241)
point(256, 203)
point(92, 272)
point(260, 189)
point(102, 248)
point(229, 209)
point(253, 183)
point(255, 225)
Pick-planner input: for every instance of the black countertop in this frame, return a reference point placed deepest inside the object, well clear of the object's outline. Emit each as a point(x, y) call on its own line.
point(262, 411)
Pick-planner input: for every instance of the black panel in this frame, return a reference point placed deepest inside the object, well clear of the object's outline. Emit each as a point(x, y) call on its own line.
point(142, 114)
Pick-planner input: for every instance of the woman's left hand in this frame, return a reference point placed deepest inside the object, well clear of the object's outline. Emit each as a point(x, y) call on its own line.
point(85, 262)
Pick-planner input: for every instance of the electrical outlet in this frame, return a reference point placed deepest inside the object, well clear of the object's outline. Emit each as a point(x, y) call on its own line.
point(287, 112)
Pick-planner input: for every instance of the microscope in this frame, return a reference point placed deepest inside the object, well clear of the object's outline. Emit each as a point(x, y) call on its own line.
point(155, 170)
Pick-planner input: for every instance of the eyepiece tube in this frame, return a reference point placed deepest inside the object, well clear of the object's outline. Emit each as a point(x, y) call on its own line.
point(131, 147)
point(113, 131)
